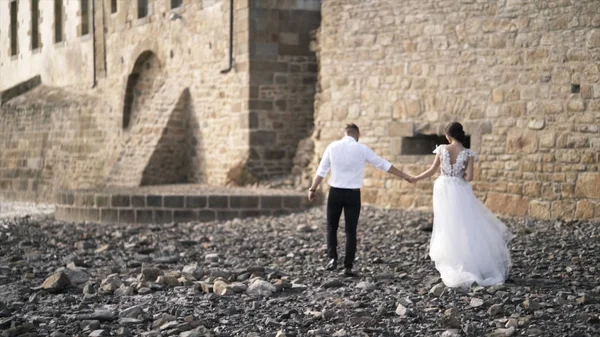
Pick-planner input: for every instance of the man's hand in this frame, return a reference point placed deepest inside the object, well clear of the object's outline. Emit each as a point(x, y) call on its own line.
point(412, 179)
point(311, 195)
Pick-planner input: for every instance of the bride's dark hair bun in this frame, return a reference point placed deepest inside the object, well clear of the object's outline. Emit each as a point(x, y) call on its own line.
point(456, 131)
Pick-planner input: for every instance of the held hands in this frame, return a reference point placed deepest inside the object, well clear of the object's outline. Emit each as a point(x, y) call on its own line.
point(411, 179)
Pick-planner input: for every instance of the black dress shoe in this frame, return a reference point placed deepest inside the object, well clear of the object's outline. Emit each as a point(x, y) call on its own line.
point(349, 273)
point(331, 265)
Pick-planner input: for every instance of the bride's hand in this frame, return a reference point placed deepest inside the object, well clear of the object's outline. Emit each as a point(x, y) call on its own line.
point(412, 179)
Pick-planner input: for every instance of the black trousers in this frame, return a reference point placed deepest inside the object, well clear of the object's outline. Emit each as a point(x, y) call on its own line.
point(347, 200)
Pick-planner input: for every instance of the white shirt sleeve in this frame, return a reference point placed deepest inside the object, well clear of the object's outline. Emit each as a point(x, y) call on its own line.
point(325, 163)
point(376, 160)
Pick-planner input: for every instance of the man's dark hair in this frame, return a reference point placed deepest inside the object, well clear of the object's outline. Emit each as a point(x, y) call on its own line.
point(352, 128)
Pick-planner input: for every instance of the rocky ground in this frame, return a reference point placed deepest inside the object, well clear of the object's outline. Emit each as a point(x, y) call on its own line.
point(265, 277)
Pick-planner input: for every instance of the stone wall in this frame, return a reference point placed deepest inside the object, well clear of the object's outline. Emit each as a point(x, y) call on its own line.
point(522, 76)
point(283, 77)
point(50, 139)
point(171, 108)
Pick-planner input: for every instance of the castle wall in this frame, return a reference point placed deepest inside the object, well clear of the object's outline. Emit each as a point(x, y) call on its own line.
point(522, 76)
point(190, 51)
point(51, 139)
point(282, 83)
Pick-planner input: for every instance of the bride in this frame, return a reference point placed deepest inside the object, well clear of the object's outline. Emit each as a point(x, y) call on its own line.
point(468, 243)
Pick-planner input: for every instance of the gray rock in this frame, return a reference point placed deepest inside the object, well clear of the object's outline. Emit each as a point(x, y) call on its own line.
point(403, 311)
point(213, 257)
point(110, 284)
point(193, 270)
point(366, 286)
point(451, 333)
point(476, 302)
point(334, 283)
point(56, 282)
point(150, 273)
point(503, 332)
point(261, 288)
point(495, 309)
point(99, 333)
point(437, 290)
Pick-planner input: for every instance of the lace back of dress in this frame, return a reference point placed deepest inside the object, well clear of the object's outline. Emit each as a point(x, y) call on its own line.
point(458, 168)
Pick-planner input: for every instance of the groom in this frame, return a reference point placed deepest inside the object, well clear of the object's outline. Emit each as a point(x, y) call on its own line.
point(347, 159)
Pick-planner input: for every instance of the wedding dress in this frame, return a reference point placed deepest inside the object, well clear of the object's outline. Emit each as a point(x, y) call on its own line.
point(468, 243)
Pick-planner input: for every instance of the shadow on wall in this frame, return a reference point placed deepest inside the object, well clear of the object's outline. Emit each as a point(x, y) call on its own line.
point(178, 155)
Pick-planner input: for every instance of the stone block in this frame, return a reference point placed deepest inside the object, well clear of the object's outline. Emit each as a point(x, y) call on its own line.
point(244, 201)
point(521, 140)
point(138, 201)
point(251, 213)
point(227, 215)
point(154, 201)
point(217, 201)
point(588, 185)
point(144, 216)
point(293, 202)
point(109, 215)
point(507, 204)
point(205, 216)
point(185, 216)
point(127, 216)
point(162, 216)
point(195, 201)
point(270, 202)
point(92, 214)
point(400, 129)
point(121, 201)
point(70, 199)
point(173, 201)
point(585, 209)
point(539, 209)
point(563, 209)
point(102, 201)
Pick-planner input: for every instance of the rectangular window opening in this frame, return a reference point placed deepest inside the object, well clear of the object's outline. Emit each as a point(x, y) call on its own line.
point(142, 8)
point(85, 17)
point(14, 36)
point(176, 3)
point(58, 21)
point(35, 24)
point(113, 6)
point(424, 144)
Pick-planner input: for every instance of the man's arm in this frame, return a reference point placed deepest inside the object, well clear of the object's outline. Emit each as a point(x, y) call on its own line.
point(324, 166)
point(393, 170)
point(385, 165)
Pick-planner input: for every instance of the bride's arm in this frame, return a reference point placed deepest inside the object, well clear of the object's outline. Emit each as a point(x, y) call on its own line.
point(469, 170)
point(431, 171)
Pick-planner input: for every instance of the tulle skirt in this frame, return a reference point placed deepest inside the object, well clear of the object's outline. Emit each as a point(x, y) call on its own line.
point(468, 243)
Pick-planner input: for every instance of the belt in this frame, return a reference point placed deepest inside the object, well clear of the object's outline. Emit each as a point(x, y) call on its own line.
point(345, 189)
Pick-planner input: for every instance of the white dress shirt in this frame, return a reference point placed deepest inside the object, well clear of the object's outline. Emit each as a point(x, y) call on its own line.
point(347, 159)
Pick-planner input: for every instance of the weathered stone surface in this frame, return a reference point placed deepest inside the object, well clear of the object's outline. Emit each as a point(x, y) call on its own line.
point(588, 185)
point(506, 203)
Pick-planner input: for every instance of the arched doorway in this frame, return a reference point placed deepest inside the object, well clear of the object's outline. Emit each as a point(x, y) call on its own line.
point(141, 84)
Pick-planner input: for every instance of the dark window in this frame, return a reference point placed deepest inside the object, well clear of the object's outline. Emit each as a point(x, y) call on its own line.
point(176, 3)
point(142, 8)
point(85, 17)
point(35, 24)
point(14, 36)
point(113, 6)
point(58, 21)
point(421, 144)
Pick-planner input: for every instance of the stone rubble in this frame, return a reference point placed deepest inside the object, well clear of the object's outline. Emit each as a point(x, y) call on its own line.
point(265, 277)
